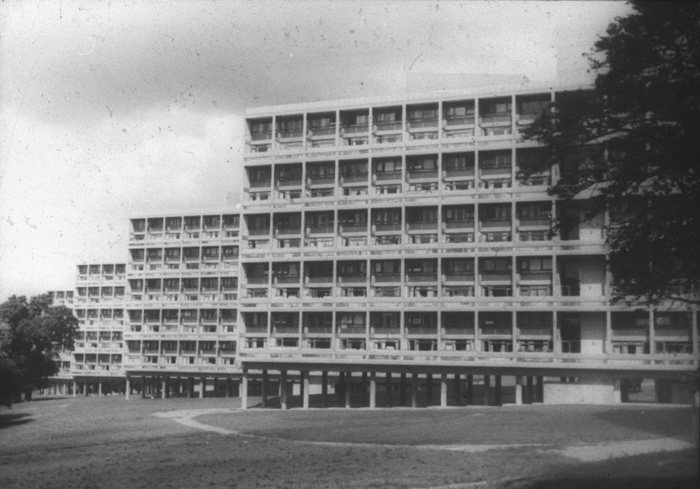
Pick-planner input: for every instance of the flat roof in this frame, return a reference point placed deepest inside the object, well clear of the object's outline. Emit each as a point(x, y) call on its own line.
point(417, 97)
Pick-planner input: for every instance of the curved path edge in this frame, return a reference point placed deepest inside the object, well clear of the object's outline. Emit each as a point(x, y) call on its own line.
point(582, 453)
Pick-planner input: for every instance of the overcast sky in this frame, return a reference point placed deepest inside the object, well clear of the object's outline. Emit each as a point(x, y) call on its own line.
point(112, 109)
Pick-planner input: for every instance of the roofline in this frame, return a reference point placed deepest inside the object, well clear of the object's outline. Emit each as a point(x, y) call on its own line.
point(418, 97)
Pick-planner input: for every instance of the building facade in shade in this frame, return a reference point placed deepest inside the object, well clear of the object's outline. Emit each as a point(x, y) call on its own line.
point(403, 236)
point(64, 376)
point(97, 360)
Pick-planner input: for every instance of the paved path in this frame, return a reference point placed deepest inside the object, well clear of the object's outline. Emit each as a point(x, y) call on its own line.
point(582, 453)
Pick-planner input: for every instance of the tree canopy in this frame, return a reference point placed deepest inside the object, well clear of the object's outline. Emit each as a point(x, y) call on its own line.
point(633, 143)
point(32, 332)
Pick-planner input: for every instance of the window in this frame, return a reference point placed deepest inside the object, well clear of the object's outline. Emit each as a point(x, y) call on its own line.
point(461, 162)
point(290, 126)
point(361, 119)
point(422, 215)
point(387, 166)
point(495, 213)
point(352, 319)
point(496, 265)
point(458, 214)
point(260, 127)
point(321, 122)
point(388, 216)
point(387, 267)
point(458, 266)
point(497, 160)
point(534, 106)
point(425, 164)
point(423, 114)
point(536, 264)
point(386, 117)
point(354, 218)
point(259, 174)
point(421, 267)
point(533, 211)
point(321, 171)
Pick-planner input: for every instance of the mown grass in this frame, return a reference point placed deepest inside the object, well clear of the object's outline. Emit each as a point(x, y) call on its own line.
point(113, 443)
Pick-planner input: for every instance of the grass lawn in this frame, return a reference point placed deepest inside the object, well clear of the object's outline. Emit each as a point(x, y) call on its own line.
point(109, 442)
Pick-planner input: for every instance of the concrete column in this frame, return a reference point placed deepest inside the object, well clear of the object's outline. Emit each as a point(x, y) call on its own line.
point(365, 389)
point(617, 393)
point(373, 390)
point(75, 388)
point(402, 390)
point(324, 389)
point(388, 390)
point(470, 390)
point(518, 390)
point(499, 392)
point(143, 387)
point(190, 386)
point(244, 389)
point(305, 389)
point(86, 386)
point(429, 389)
point(443, 390)
point(694, 333)
point(283, 390)
point(227, 387)
point(414, 391)
point(127, 390)
point(458, 390)
point(202, 387)
point(487, 389)
point(263, 388)
point(216, 387)
point(348, 385)
point(164, 388)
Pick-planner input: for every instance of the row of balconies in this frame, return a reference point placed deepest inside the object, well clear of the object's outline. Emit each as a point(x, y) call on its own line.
point(487, 126)
point(433, 228)
point(191, 224)
point(481, 179)
point(447, 292)
point(204, 236)
point(496, 188)
point(188, 268)
point(107, 272)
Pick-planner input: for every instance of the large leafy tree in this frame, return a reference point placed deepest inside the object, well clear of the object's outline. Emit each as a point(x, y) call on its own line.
point(632, 142)
point(32, 332)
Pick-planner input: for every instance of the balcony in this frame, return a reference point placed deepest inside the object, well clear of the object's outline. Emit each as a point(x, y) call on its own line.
point(457, 122)
point(422, 124)
point(261, 136)
point(426, 277)
point(458, 277)
point(354, 129)
point(391, 176)
point(496, 119)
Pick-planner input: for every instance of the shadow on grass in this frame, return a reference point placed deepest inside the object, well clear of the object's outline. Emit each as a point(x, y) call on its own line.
point(41, 399)
point(615, 483)
point(8, 420)
point(673, 422)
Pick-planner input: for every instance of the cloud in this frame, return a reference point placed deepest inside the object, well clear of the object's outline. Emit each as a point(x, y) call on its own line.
point(111, 109)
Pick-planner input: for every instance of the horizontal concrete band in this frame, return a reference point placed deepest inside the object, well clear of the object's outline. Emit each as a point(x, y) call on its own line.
point(476, 368)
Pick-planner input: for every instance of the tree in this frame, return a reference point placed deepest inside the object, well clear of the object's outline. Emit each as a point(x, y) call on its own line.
point(31, 335)
point(632, 143)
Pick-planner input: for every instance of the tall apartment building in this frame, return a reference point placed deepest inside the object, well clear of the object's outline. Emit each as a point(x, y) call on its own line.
point(181, 305)
point(399, 235)
point(394, 236)
point(96, 364)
